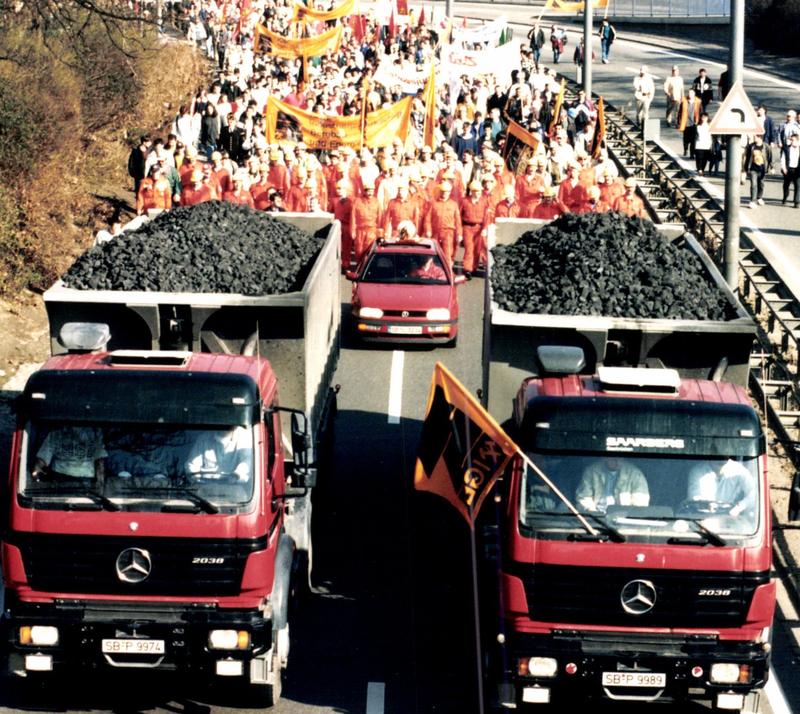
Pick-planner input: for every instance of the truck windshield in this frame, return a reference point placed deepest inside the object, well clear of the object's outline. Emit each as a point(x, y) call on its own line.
point(136, 467)
point(648, 497)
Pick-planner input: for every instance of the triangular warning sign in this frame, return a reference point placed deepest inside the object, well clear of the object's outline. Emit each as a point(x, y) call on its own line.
point(736, 115)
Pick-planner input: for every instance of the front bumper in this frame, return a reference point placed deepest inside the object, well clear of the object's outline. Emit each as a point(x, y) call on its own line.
point(405, 331)
point(583, 658)
point(166, 637)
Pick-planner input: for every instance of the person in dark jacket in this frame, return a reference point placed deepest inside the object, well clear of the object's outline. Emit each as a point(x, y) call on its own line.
point(137, 161)
point(770, 133)
point(231, 138)
point(756, 164)
point(536, 37)
point(210, 129)
point(703, 88)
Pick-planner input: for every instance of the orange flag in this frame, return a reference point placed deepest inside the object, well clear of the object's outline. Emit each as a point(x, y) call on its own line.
point(557, 109)
point(599, 130)
point(462, 450)
point(429, 97)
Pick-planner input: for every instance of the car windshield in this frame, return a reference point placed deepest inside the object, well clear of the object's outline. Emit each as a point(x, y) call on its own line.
point(422, 268)
point(136, 467)
point(650, 497)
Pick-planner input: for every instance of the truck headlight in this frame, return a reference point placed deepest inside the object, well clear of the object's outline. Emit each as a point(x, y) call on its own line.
point(438, 313)
point(545, 667)
point(727, 673)
point(228, 639)
point(39, 635)
point(370, 313)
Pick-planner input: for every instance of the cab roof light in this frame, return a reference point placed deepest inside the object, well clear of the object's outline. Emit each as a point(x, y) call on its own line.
point(149, 358)
point(84, 336)
point(638, 379)
point(561, 359)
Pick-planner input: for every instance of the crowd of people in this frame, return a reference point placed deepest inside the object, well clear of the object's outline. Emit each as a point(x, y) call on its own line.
point(217, 147)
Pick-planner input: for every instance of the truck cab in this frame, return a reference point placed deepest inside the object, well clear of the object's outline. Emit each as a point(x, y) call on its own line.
point(659, 587)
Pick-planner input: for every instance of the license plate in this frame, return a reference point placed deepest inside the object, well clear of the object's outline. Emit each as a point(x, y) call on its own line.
point(634, 679)
point(405, 329)
point(133, 646)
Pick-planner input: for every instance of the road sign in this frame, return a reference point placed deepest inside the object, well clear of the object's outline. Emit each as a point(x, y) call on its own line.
point(736, 115)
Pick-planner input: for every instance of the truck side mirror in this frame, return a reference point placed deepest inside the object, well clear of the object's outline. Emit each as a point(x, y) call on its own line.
point(794, 499)
point(300, 439)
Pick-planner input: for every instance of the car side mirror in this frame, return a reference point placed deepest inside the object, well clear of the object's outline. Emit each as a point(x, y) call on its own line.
point(351, 275)
point(459, 279)
point(794, 499)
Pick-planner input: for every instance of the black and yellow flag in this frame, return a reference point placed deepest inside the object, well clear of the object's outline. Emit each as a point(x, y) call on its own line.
point(462, 449)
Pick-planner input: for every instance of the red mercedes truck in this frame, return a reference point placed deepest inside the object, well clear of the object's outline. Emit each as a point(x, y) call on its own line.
point(158, 507)
point(650, 578)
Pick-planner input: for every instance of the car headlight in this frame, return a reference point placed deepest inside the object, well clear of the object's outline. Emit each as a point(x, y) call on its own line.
point(39, 635)
point(374, 313)
point(228, 639)
point(724, 673)
point(537, 667)
point(438, 313)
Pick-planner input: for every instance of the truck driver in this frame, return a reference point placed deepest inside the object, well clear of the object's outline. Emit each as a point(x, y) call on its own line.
point(727, 487)
point(75, 452)
point(612, 481)
point(221, 453)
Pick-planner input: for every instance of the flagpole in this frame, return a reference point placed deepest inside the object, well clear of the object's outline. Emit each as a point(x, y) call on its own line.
point(543, 476)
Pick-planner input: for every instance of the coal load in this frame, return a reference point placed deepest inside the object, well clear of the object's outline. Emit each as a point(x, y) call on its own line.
point(214, 247)
point(604, 264)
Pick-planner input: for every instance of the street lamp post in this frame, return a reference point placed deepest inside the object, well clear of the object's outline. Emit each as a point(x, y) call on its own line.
point(587, 48)
point(733, 162)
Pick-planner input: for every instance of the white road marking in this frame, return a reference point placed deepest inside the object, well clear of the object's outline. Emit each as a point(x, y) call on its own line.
point(376, 692)
point(775, 695)
point(396, 386)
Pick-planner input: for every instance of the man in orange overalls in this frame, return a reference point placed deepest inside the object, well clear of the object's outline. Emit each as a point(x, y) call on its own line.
point(474, 223)
point(342, 210)
point(197, 191)
point(443, 222)
point(402, 208)
point(629, 203)
point(238, 194)
point(364, 220)
point(154, 192)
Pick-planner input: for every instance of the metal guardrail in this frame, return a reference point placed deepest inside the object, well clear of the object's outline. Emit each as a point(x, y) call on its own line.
point(669, 8)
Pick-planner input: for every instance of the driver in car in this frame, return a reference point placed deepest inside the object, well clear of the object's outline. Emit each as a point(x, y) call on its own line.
point(428, 270)
point(612, 481)
point(221, 453)
point(729, 488)
point(75, 452)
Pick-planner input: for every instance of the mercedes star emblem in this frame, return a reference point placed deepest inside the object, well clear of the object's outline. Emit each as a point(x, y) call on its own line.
point(133, 565)
point(638, 597)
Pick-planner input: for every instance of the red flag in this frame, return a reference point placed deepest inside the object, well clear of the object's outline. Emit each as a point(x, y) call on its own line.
point(392, 26)
point(462, 450)
point(402, 7)
point(464, 23)
point(421, 17)
point(358, 24)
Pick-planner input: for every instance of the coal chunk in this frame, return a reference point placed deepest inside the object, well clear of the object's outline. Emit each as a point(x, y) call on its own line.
point(213, 247)
point(604, 264)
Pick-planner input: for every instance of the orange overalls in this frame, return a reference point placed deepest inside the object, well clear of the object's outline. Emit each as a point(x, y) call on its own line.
point(548, 210)
point(153, 194)
point(529, 193)
point(364, 224)
point(443, 223)
point(399, 210)
point(191, 196)
point(240, 197)
point(474, 221)
point(630, 205)
point(342, 209)
point(571, 196)
point(504, 209)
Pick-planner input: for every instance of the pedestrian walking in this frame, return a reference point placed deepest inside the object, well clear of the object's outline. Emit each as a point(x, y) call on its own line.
point(643, 91)
point(688, 118)
point(673, 91)
point(703, 88)
point(703, 143)
point(790, 168)
point(137, 161)
point(607, 35)
point(536, 37)
point(756, 164)
point(770, 135)
point(558, 38)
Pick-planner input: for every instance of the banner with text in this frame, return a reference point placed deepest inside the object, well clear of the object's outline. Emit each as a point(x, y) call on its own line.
point(293, 47)
point(310, 14)
point(500, 61)
point(332, 132)
point(490, 32)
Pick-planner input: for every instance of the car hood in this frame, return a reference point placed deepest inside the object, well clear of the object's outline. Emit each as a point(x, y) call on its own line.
point(403, 296)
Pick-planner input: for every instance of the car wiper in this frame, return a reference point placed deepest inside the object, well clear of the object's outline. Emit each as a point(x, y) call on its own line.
point(97, 499)
point(709, 535)
point(610, 531)
point(203, 503)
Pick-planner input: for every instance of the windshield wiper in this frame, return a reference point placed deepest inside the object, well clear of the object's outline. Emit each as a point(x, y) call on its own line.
point(203, 503)
point(97, 499)
point(611, 532)
point(700, 529)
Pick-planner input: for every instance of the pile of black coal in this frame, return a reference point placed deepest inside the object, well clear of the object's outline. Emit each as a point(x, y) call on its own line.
point(604, 264)
point(213, 247)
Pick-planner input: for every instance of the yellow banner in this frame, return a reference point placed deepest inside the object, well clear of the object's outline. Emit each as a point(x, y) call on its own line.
point(332, 132)
point(293, 47)
point(301, 13)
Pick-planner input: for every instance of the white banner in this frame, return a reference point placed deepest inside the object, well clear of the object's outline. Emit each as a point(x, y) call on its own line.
point(409, 79)
point(490, 32)
point(500, 61)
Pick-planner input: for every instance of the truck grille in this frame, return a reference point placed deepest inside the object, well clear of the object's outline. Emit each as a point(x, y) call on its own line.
point(178, 566)
point(592, 596)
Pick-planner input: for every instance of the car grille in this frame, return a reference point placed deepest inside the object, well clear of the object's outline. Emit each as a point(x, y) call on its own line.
point(410, 313)
point(592, 596)
point(88, 564)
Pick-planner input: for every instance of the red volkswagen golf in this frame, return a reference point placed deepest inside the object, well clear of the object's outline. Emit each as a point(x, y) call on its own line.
point(405, 292)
